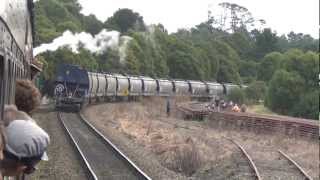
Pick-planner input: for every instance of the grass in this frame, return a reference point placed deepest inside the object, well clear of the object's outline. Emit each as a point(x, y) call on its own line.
point(260, 109)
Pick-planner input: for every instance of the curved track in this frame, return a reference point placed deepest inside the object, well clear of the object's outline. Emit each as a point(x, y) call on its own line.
point(102, 159)
point(302, 171)
point(272, 165)
point(251, 163)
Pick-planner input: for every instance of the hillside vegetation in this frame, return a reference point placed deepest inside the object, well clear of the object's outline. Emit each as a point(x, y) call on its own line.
point(282, 70)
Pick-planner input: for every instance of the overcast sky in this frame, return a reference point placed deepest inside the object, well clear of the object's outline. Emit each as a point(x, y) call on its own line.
point(282, 15)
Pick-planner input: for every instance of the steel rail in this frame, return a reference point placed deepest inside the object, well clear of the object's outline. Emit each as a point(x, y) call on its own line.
point(301, 170)
point(109, 143)
point(251, 163)
point(87, 165)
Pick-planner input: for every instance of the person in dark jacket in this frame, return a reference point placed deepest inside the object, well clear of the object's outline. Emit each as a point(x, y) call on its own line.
point(168, 107)
point(217, 103)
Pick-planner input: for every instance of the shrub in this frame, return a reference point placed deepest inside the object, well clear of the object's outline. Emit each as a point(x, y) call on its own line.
point(187, 159)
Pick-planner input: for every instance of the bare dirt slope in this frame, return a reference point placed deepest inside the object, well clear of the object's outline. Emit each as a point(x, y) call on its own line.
point(171, 148)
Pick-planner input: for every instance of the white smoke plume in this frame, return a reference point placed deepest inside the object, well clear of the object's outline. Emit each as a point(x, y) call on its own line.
point(95, 44)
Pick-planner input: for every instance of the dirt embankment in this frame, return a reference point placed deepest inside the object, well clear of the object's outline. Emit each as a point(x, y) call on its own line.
point(171, 148)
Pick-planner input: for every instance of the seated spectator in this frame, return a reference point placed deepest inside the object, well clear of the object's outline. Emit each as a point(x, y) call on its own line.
point(236, 108)
point(27, 97)
point(243, 108)
point(26, 145)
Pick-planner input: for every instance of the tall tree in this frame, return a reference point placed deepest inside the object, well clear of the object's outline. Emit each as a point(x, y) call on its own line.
point(265, 42)
point(270, 63)
point(125, 19)
point(232, 17)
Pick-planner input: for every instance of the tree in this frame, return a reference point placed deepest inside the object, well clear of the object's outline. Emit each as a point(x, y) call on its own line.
point(242, 43)
point(53, 17)
point(232, 17)
point(109, 61)
point(306, 64)
point(91, 24)
point(133, 57)
point(265, 42)
point(237, 95)
point(284, 91)
point(248, 70)
point(308, 106)
point(270, 63)
point(125, 19)
point(256, 91)
point(303, 41)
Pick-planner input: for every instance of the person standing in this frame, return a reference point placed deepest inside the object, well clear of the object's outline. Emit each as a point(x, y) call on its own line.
point(217, 104)
point(168, 107)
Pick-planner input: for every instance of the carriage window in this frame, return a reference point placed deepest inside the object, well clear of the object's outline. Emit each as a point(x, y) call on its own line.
point(9, 82)
point(13, 84)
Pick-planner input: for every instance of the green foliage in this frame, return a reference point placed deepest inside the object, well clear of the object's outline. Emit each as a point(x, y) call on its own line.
point(237, 95)
point(125, 19)
point(109, 61)
point(308, 106)
point(256, 91)
point(284, 91)
point(293, 89)
point(302, 41)
point(53, 17)
point(241, 43)
point(132, 59)
point(265, 42)
point(182, 62)
point(305, 64)
point(248, 71)
point(270, 63)
point(91, 24)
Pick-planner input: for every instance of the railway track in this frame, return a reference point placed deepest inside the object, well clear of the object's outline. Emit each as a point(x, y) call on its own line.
point(252, 165)
point(101, 158)
point(268, 164)
point(279, 165)
point(272, 165)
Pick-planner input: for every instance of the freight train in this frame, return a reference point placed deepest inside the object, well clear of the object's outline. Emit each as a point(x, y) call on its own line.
point(76, 86)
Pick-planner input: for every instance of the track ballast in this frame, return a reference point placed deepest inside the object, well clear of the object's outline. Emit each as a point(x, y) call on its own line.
point(102, 159)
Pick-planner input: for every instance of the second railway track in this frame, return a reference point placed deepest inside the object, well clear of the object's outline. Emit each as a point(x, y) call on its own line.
point(269, 164)
point(103, 160)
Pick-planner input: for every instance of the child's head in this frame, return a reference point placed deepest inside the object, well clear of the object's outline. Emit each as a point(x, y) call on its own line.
point(27, 97)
